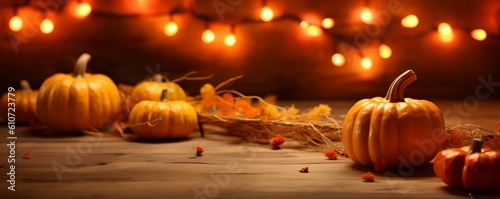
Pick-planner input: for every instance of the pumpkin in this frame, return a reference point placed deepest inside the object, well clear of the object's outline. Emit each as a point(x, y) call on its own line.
point(152, 89)
point(163, 118)
point(394, 131)
point(25, 100)
point(470, 168)
point(78, 101)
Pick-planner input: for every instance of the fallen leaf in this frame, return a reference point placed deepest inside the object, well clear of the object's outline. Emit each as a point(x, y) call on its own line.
point(27, 156)
point(368, 177)
point(304, 170)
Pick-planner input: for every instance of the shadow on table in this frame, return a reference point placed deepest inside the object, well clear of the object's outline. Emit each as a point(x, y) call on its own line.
point(416, 172)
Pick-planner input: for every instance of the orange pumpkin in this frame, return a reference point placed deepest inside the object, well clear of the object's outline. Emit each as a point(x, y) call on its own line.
point(163, 119)
point(470, 168)
point(25, 103)
point(151, 90)
point(78, 101)
point(394, 131)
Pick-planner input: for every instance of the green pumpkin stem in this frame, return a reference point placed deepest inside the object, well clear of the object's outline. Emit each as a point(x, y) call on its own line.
point(476, 145)
point(395, 92)
point(81, 65)
point(163, 96)
point(158, 78)
point(25, 85)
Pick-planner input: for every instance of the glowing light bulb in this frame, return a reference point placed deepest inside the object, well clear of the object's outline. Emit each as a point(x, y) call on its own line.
point(230, 39)
point(171, 29)
point(338, 59)
point(327, 23)
point(410, 21)
point(16, 23)
point(445, 32)
point(385, 51)
point(304, 24)
point(266, 14)
point(366, 16)
point(313, 31)
point(208, 36)
point(479, 34)
point(46, 26)
point(366, 63)
point(83, 9)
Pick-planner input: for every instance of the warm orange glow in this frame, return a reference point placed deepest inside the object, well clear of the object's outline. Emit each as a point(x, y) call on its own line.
point(83, 9)
point(327, 23)
point(266, 14)
point(338, 59)
point(385, 51)
point(304, 24)
point(16, 23)
point(230, 39)
point(46, 26)
point(445, 32)
point(313, 31)
point(208, 36)
point(366, 16)
point(366, 63)
point(410, 21)
point(479, 34)
point(171, 29)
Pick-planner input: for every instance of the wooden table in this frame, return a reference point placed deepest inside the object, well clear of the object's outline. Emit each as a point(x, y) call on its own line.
point(110, 167)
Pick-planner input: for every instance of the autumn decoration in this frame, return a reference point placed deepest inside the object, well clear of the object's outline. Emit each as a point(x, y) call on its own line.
point(471, 168)
point(393, 128)
point(78, 101)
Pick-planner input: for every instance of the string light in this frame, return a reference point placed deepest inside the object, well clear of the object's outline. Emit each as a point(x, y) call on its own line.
point(366, 63)
point(208, 36)
point(327, 23)
point(366, 16)
point(445, 32)
point(266, 14)
point(313, 31)
point(46, 26)
point(230, 39)
point(479, 34)
point(385, 51)
point(83, 9)
point(171, 29)
point(410, 21)
point(304, 24)
point(338, 59)
point(16, 23)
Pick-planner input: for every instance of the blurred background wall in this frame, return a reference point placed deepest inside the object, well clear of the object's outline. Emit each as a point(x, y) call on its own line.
point(127, 42)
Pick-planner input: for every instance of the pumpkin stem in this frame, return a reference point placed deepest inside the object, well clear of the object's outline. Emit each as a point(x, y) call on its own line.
point(395, 92)
point(163, 96)
point(157, 78)
point(81, 65)
point(476, 145)
point(25, 85)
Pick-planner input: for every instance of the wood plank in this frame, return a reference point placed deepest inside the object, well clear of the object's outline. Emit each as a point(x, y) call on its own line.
point(111, 167)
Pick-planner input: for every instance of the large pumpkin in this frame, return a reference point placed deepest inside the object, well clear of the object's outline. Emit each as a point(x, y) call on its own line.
point(25, 103)
point(470, 168)
point(163, 119)
point(151, 90)
point(394, 131)
point(78, 101)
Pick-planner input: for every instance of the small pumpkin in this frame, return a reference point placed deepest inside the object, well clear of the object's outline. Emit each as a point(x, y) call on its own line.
point(151, 90)
point(78, 101)
point(25, 100)
point(163, 118)
point(395, 131)
point(470, 168)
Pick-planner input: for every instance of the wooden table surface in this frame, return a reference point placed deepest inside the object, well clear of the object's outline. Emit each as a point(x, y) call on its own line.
point(107, 166)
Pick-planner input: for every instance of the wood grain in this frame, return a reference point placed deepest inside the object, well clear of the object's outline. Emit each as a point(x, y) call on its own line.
point(111, 167)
